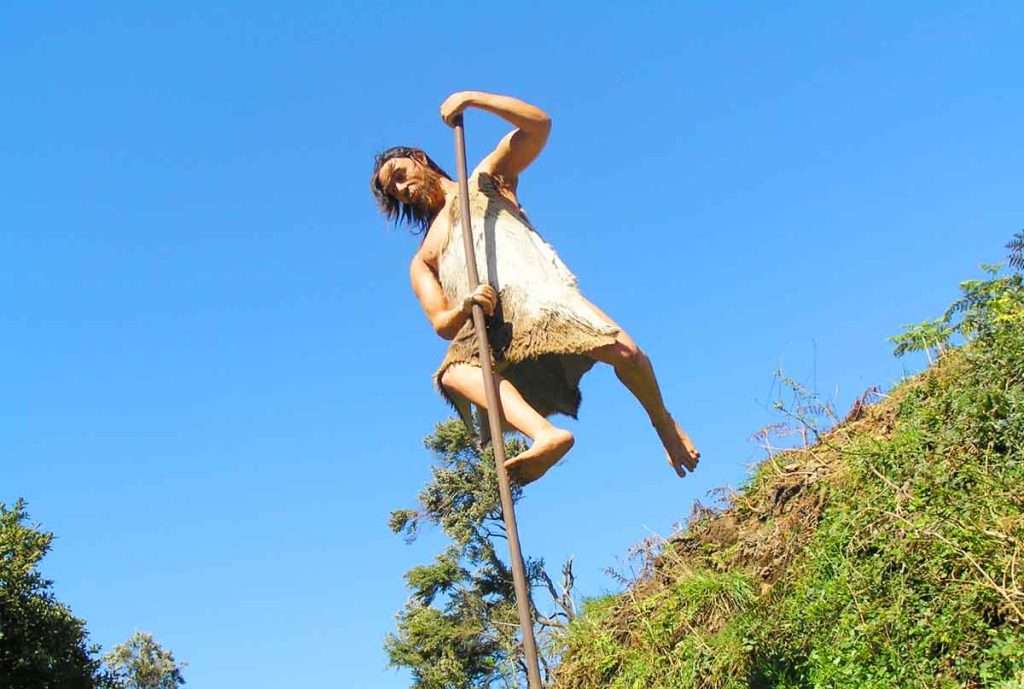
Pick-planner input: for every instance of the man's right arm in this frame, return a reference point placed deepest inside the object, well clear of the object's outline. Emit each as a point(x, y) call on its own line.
point(445, 319)
point(519, 147)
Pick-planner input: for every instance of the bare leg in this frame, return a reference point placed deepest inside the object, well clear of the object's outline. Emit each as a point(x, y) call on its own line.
point(549, 442)
point(634, 369)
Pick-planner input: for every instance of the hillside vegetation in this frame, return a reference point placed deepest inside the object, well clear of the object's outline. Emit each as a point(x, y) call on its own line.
point(886, 552)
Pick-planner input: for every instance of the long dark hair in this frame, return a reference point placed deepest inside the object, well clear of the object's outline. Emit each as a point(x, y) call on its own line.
point(417, 215)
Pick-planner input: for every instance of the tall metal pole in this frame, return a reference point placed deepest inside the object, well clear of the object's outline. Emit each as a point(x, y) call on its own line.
point(494, 416)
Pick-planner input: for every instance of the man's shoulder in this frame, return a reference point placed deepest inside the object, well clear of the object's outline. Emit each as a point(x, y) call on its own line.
point(494, 183)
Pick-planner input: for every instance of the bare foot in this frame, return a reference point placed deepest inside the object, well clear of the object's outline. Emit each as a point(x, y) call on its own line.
point(548, 447)
point(679, 449)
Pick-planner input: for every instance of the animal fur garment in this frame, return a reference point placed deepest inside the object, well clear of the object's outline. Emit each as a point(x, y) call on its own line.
point(543, 325)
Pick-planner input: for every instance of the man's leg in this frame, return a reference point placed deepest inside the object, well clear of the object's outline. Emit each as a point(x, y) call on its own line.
point(634, 369)
point(549, 442)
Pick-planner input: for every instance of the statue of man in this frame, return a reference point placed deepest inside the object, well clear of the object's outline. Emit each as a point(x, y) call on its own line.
point(543, 333)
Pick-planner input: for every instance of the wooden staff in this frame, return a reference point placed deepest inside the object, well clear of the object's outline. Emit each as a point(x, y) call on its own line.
point(494, 415)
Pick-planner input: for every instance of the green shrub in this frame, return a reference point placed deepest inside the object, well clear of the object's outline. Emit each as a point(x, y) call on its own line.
point(897, 563)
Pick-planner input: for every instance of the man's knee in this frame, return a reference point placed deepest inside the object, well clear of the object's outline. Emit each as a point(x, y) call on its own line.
point(628, 354)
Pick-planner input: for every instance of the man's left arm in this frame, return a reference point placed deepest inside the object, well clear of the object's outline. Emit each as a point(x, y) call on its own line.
point(518, 148)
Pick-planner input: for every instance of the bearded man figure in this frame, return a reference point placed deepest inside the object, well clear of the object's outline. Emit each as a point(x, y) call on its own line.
point(544, 334)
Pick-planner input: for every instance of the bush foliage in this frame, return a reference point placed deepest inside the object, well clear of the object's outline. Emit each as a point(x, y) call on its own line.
point(885, 553)
point(459, 629)
point(42, 644)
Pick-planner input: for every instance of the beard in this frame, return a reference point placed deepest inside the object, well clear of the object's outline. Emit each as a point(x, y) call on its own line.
point(429, 198)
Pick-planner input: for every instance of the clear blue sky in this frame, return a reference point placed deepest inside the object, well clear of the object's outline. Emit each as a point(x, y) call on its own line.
point(216, 378)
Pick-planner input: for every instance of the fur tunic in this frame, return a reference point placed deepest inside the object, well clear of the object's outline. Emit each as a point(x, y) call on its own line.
point(542, 326)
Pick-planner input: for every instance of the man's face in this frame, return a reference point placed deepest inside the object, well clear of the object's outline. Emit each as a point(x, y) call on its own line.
point(409, 181)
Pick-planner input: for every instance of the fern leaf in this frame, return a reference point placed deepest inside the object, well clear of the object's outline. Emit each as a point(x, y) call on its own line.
point(1016, 247)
